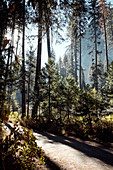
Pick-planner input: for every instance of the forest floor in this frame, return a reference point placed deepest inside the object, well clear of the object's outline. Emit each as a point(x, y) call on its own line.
point(70, 153)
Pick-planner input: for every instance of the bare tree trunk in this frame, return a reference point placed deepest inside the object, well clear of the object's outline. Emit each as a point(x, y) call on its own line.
point(28, 96)
point(106, 45)
point(48, 31)
point(49, 90)
point(96, 78)
point(23, 65)
point(13, 29)
point(49, 56)
point(1, 37)
point(80, 66)
point(72, 55)
point(12, 53)
point(5, 82)
point(17, 43)
point(75, 58)
point(38, 66)
point(6, 73)
point(48, 40)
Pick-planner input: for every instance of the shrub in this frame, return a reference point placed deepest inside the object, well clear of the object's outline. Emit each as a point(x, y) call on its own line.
point(21, 148)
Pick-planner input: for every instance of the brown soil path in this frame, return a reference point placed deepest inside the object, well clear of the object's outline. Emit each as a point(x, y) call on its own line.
point(70, 153)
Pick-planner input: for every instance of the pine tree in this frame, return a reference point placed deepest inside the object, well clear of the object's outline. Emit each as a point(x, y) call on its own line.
point(70, 94)
point(108, 88)
point(50, 81)
point(100, 74)
point(94, 16)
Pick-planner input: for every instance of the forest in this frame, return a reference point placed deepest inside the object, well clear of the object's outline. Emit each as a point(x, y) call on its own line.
point(54, 97)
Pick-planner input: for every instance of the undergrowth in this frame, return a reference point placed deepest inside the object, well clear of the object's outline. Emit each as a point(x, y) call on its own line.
point(102, 130)
point(19, 150)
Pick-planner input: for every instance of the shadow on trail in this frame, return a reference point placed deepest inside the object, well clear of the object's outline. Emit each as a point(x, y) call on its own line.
point(50, 164)
point(91, 151)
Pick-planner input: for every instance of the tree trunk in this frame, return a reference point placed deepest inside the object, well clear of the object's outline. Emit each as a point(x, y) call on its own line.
point(13, 29)
point(96, 78)
point(1, 37)
point(6, 73)
point(75, 58)
point(17, 43)
point(49, 56)
point(60, 120)
point(28, 96)
point(106, 46)
point(48, 31)
point(5, 83)
point(48, 40)
point(38, 66)
point(49, 100)
point(72, 55)
point(80, 66)
point(12, 53)
point(23, 64)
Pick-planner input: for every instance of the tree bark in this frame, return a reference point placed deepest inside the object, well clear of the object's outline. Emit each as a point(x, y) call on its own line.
point(75, 58)
point(80, 66)
point(96, 78)
point(48, 41)
point(106, 45)
point(49, 56)
point(17, 44)
point(1, 37)
point(38, 66)
point(28, 95)
point(6, 73)
point(23, 64)
point(72, 55)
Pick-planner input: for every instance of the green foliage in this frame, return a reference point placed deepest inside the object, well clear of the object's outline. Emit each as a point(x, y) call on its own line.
point(21, 147)
point(61, 95)
point(50, 85)
point(90, 102)
point(107, 89)
point(100, 74)
point(103, 130)
point(61, 99)
point(109, 77)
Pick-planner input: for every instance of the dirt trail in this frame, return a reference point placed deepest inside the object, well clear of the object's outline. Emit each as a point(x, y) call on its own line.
point(70, 153)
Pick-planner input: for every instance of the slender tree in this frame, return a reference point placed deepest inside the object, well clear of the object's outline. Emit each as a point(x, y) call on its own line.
point(94, 32)
point(38, 66)
point(104, 16)
point(78, 19)
point(100, 71)
point(23, 64)
point(110, 26)
point(75, 49)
